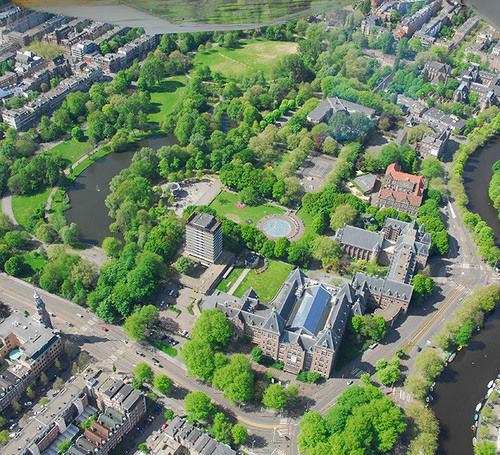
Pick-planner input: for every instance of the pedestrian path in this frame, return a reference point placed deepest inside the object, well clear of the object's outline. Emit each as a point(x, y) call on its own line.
point(238, 281)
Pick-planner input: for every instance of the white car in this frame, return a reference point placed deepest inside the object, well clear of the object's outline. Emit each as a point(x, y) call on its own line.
point(79, 315)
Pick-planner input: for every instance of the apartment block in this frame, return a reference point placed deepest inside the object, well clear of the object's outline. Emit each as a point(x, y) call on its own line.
point(204, 237)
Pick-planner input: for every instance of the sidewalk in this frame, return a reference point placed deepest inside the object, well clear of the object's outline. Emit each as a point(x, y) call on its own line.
point(238, 281)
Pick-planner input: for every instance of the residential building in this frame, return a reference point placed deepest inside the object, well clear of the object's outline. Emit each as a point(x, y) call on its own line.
point(204, 237)
point(461, 33)
point(24, 118)
point(369, 24)
point(83, 48)
point(409, 25)
point(434, 144)
point(401, 191)
point(29, 346)
point(334, 104)
point(437, 119)
point(180, 435)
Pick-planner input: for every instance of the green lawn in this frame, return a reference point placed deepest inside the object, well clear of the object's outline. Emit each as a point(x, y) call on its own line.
point(71, 150)
point(265, 284)
point(307, 219)
point(166, 96)
point(223, 204)
point(23, 206)
point(226, 284)
point(251, 56)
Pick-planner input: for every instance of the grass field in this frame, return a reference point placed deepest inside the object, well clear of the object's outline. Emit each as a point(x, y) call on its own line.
point(46, 50)
point(307, 219)
point(226, 284)
point(23, 206)
point(265, 284)
point(166, 96)
point(223, 204)
point(71, 150)
point(251, 56)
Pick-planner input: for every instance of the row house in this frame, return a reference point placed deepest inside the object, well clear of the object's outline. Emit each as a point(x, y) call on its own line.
point(409, 25)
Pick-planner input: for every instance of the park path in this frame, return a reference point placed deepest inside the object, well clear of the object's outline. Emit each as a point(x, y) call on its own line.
point(7, 207)
point(238, 281)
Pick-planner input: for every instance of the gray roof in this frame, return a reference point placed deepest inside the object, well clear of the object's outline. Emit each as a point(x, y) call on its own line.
point(274, 323)
point(132, 400)
point(335, 104)
point(383, 286)
point(35, 337)
point(203, 221)
point(366, 182)
point(313, 310)
point(361, 238)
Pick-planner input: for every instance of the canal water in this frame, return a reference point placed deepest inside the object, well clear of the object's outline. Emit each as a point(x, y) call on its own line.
point(462, 385)
point(91, 187)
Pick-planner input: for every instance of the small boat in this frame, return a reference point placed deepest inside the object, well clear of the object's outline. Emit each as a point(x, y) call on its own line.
point(490, 391)
point(452, 357)
point(476, 418)
point(479, 406)
point(490, 384)
point(460, 348)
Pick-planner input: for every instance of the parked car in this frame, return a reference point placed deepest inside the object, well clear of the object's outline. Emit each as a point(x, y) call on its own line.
point(79, 315)
point(28, 403)
point(104, 328)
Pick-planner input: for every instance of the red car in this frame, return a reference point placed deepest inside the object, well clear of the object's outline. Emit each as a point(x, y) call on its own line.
point(104, 328)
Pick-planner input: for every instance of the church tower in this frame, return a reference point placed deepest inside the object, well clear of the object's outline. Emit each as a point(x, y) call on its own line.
point(42, 312)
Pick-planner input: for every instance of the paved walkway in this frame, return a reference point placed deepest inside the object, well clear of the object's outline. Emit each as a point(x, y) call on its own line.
point(238, 281)
point(7, 207)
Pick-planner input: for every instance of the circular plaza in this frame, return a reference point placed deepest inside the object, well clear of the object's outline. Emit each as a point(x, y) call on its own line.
point(288, 225)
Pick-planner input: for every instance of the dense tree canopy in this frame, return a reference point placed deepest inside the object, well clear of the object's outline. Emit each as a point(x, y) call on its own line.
point(362, 420)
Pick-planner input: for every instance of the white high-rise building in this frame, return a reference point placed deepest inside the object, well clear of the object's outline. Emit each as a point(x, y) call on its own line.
point(204, 236)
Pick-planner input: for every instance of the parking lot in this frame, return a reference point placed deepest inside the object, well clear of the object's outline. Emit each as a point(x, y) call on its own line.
point(314, 170)
point(183, 299)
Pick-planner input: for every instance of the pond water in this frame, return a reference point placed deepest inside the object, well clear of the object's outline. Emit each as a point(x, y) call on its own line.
point(91, 187)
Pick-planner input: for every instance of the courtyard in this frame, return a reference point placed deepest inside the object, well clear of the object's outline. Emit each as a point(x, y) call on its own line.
point(313, 171)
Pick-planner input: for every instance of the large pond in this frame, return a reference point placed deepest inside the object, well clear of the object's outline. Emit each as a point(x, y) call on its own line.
point(463, 384)
point(91, 187)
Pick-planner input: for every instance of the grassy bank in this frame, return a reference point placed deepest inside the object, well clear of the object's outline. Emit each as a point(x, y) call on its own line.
point(23, 206)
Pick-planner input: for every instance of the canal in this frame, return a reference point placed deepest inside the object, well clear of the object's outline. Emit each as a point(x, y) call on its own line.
point(462, 385)
point(91, 187)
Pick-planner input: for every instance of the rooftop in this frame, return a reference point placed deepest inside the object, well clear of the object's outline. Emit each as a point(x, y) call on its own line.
point(203, 221)
point(32, 335)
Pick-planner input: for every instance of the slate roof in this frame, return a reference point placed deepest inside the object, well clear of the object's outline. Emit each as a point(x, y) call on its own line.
point(383, 286)
point(334, 104)
point(361, 238)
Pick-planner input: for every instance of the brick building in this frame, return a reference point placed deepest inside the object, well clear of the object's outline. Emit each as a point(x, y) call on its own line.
point(401, 191)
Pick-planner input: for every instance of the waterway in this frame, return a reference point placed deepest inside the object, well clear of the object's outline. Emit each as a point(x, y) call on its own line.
point(477, 176)
point(462, 385)
point(91, 187)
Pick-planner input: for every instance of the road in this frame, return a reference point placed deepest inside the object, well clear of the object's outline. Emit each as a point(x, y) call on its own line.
point(456, 275)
